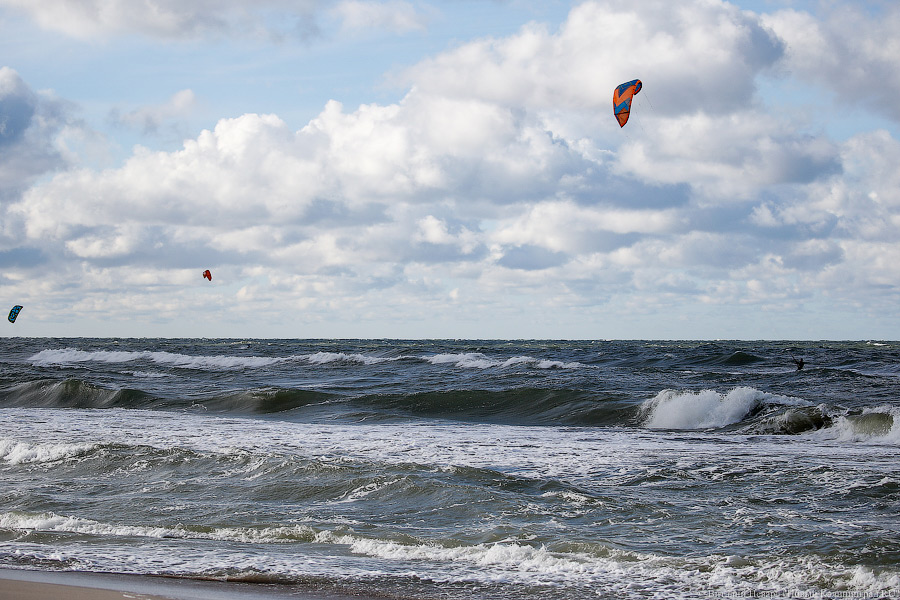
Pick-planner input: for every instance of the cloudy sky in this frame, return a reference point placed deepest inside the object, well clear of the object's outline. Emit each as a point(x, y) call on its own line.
point(450, 168)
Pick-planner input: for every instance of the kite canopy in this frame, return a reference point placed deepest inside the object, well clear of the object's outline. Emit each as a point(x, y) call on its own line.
point(207, 274)
point(622, 100)
point(14, 313)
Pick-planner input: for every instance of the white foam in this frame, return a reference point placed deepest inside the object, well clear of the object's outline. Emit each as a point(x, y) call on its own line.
point(700, 410)
point(69, 524)
point(494, 562)
point(322, 358)
point(65, 356)
point(149, 374)
point(18, 453)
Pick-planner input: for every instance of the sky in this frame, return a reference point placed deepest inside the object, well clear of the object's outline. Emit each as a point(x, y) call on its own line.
point(450, 169)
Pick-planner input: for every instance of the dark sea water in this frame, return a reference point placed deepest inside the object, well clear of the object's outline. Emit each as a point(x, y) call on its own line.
point(458, 469)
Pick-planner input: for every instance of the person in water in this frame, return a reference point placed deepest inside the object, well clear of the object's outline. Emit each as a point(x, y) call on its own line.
point(798, 362)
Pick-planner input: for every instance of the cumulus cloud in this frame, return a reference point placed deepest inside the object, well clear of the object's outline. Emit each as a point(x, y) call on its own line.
point(499, 175)
point(729, 157)
point(700, 57)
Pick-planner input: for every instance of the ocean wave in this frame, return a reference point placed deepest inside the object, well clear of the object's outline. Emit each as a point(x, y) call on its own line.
point(449, 568)
point(519, 406)
point(619, 572)
point(15, 452)
point(791, 420)
point(69, 356)
point(706, 409)
point(747, 410)
point(71, 393)
point(73, 356)
point(880, 424)
point(477, 360)
point(262, 401)
point(324, 358)
point(505, 561)
point(51, 522)
point(513, 406)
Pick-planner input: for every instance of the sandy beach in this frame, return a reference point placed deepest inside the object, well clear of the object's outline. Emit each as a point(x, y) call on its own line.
point(48, 585)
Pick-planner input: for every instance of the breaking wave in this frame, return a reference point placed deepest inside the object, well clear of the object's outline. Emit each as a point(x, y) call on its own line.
point(477, 360)
point(466, 360)
point(750, 411)
point(72, 356)
point(706, 409)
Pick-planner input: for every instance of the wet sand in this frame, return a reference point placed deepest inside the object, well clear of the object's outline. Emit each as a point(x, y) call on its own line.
point(51, 585)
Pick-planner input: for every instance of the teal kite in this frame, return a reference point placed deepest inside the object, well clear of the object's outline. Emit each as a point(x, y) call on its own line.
point(14, 313)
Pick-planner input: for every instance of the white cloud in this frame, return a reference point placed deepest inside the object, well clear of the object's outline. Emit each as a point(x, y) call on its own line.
point(728, 157)
point(852, 52)
point(699, 56)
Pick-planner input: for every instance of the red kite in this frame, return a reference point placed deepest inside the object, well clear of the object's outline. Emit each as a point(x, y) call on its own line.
point(207, 274)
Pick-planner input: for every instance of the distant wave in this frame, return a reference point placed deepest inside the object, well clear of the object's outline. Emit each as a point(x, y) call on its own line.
point(514, 406)
point(74, 393)
point(477, 360)
point(323, 358)
point(68, 356)
point(536, 406)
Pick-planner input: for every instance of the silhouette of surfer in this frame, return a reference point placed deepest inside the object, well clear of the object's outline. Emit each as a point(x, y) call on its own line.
point(798, 362)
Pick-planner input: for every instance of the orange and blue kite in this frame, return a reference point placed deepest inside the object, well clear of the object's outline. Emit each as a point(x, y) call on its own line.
point(622, 100)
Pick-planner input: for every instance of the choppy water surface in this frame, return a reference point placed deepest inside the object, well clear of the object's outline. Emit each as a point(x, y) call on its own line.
point(447, 469)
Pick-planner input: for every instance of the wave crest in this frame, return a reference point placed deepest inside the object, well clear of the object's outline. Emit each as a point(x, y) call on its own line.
point(706, 409)
point(70, 356)
point(477, 360)
point(70, 393)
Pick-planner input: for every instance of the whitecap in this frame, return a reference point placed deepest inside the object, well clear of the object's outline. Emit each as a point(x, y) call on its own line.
point(17, 453)
point(706, 409)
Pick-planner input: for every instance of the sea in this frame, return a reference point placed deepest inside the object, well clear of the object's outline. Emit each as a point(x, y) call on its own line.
point(452, 469)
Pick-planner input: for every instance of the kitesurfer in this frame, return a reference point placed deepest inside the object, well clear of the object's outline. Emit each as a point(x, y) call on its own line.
point(798, 362)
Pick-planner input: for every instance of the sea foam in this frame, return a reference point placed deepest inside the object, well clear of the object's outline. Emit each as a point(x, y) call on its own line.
point(17, 453)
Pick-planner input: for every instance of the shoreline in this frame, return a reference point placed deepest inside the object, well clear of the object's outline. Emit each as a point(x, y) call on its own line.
point(25, 584)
